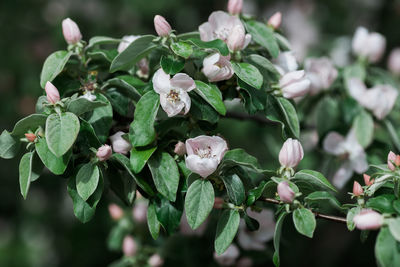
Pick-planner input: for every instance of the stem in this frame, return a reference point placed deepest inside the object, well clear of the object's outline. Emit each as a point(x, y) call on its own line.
point(317, 214)
point(243, 117)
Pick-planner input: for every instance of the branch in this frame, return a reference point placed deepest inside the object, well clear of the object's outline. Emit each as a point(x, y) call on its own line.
point(317, 214)
point(246, 117)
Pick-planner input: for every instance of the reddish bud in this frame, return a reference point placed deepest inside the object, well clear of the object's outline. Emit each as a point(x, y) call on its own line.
point(235, 6)
point(275, 20)
point(286, 194)
point(129, 246)
point(367, 180)
point(357, 189)
point(53, 96)
point(391, 160)
point(218, 202)
point(31, 137)
point(180, 148)
point(115, 211)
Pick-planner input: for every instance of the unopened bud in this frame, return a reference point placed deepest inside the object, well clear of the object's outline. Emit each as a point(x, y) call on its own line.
point(129, 246)
point(115, 211)
point(162, 26)
point(368, 219)
point(236, 38)
point(275, 20)
point(119, 144)
point(53, 96)
point(104, 153)
point(31, 137)
point(367, 180)
point(235, 6)
point(294, 84)
point(394, 61)
point(71, 31)
point(139, 212)
point(291, 153)
point(286, 194)
point(391, 161)
point(357, 189)
point(180, 148)
point(156, 261)
point(218, 203)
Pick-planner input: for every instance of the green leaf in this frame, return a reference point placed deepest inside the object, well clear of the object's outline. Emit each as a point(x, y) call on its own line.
point(227, 227)
point(212, 95)
point(314, 178)
point(28, 172)
point(172, 65)
point(9, 145)
point(304, 221)
point(235, 188)
point(120, 103)
point(387, 251)
point(281, 110)
point(357, 70)
point(328, 115)
point(364, 128)
point(256, 193)
point(266, 68)
point(87, 180)
point(54, 65)
point(322, 199)
point(152, 221)
point(394, 227)
point(141, 131)
point(201, 110)
point(382, 203)
point(349, 218)
point(254, 100)
point(128, 85)
point(101, 40)
point(30, 123)
point(165, 174)
point(217, 45)
point(290, 115)
point(82, 105)
point(103, 54)
point(199, 202)
point(56, 165)
point(238, 156)
point(139, 157)
point(169, 214)
point(138, 49)
point(122, 184)
point(277, 238)
point(182, 49)
point(61, 132)
point(248, 73)
point(188, 35)
point(264, 36)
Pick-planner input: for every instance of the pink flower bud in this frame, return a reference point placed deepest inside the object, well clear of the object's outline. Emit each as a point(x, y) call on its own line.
point(31, 137)
point(71, 31)
point(275, 20)
point(139, 212)
point(53, 96)
point(367, 180)
point(357, 189)
point(368, 219)
point(104, 153)
point(119, 144)
point(115, 211)
point(129, 246)
point(236, 38)
point(286, 194)
point(218, 203)
point(156, 261)
point(162, 26)
point(180, 148)
point(394, 61)
point(391, 161)
point(294, 84)
point(235, 6)
point(291, 153)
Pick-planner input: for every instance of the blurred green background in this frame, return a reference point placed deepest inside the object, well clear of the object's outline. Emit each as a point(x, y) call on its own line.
point(42, 231)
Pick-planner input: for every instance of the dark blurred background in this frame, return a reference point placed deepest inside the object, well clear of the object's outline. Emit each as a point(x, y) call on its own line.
point(42, 230)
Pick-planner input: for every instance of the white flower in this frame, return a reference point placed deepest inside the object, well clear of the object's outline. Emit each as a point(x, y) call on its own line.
point(370, 45)
point(380, 99)
point(255, 240)
point(126, 41)
point(294, 84)
point(321, 73)
point(217, 68)
point(119, 144)
point(286, 62)
point(89, 96)
point(349, 148)
point(204, 153)
point(228, 258)
point(173, 92)
point(220, 25)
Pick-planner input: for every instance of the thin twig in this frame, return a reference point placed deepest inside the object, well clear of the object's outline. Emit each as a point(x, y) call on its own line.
point(317, 214)
point(243, 117)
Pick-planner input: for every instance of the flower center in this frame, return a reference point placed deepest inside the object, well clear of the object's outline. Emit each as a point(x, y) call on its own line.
point(204, 152)
point(173, 96)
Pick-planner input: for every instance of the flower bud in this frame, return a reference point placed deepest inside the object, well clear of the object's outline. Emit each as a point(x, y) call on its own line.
point(286, 194)
point(291, 153)
point(217, 67)
point(235, 6)
point(119, 144)
point(294, 84)
point(104, 153)
point(115, 211)
point(367, 180)
point(218, 203)
point(31, 137)
point(275, 20)
point(236, 38)
point(129, 246)
point(162, 26)
point(391, 161)
point(180, 148)
point(368, 45)
point(139, 212)
point(53, 96)
point(394, 61)
point(357, 189)
point(71, 32)
point(368, 219)
point(155, 261)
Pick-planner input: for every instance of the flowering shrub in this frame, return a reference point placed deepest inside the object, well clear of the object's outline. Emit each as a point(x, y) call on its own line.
point(139, 116)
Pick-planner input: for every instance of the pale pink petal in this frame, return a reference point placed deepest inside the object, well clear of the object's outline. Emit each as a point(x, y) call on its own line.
point(342, 175)
point(183, 81)
point(333, 144)
point(202, 166)
point(161, 82)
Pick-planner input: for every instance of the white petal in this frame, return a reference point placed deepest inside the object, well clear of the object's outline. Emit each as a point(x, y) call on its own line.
point(211, 59)
point(185, 98)
point(183, 81)
point(161, 82)
point(171, 108)
point(342, 175)
point(206, 32)
point(247, 40)
point(333, 144)
point(202, 166)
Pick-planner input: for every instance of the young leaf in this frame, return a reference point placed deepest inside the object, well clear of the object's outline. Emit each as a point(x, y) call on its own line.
point(152, 221)
point(289, 113)
point(322, 199)
point(141, 131)
point(53, 65)
point(9, 145)
point(61, 132)
point(128, 85)
point(56, 165)
point(248, 73)
point(138, 49)
point(304, 221)
point(212, 95)
point(169, 214)
point(394, 227)
point(30, 123)
point(238, 156)
point(216, 44)
point(182, 49)
point(277, 238)
point(364, 128)
point(101, 40)
point(87, 180)
point(165, 174)
point(82, 105)
point(314, 178)
point(171, 65)
point(199, 202)
point(235, 188)
point(386, 249)
point(266, 68)
point(227, 227)
point(264, 36)
point(27, 172)
point(139, 157)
